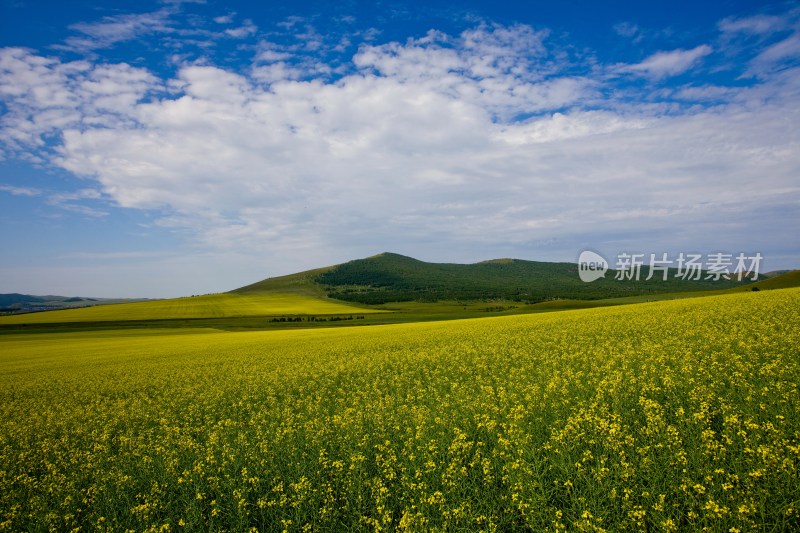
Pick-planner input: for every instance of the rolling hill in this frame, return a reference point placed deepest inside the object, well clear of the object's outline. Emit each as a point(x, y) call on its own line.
point(20, 303)
point(410, 289)
point(782, 281)
point(389, 277)
point(303, 283)
point(216, 306)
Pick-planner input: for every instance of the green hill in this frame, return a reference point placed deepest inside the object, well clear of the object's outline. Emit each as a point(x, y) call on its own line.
point(7, 300)
point(18, 303)
point(348, 288)
point(216, 306)
point(784, 281)
point(302, 283)
point(391, 277)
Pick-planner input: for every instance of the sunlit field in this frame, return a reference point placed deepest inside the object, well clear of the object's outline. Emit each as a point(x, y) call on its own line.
point(666, 416)
point(210, 306)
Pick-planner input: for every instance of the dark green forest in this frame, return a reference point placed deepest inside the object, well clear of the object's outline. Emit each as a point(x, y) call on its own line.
point(396, 278)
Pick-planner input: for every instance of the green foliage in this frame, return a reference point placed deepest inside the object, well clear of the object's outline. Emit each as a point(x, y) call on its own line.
point(666, 416)
point(395, 278)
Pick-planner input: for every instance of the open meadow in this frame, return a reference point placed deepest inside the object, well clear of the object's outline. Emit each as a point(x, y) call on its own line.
point(224, 305)
point(667, 416)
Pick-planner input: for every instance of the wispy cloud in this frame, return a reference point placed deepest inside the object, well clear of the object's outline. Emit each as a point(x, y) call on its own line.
point(769, 43)
point(777, 56)
point(20, 191)
point(626, 29)
point(113, 29)
point(670, 63)
point(245, 30)
point(224, 19)
point(758, 24)
point(69, 201)
point(178, 3)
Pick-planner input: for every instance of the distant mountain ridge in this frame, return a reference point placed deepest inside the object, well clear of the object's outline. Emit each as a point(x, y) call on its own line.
point(16, 298)
point(25, 303)
point(390, 277)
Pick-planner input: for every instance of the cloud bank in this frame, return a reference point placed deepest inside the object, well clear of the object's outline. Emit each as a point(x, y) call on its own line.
point(498, 138)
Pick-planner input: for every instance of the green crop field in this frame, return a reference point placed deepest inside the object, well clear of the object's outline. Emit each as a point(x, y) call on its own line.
point(668, 416)
point(211, 306)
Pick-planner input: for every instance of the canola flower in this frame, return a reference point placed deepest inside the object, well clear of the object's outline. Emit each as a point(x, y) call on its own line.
point(671, 416)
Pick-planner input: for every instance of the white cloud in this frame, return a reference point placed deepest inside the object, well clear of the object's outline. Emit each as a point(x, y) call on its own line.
point(46, 97)
point(270, 55)
point(20, 191)
point(560, 127)
point(664, 64)
point(766, 43)
point(758, 24)
point(39, 96)
point(180, 2)
point(777, 56)
point(69, 201)
point(275, 72)
point(313, 164)
point(706, 93)
point(506, 71)
point(224, 19)
point(626, 29)
point(245, 30)
point(117, 28)
point(486, 137)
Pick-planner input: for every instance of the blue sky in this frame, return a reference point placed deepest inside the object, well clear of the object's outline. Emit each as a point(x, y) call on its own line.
point(169, 148)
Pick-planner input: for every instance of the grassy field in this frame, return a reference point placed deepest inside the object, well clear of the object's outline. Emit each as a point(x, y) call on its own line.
point(297, 301)
point(212, 306)
point(667, 416)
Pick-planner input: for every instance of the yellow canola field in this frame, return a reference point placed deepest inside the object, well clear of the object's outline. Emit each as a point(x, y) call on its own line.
point(668, 416)
point(210, 306)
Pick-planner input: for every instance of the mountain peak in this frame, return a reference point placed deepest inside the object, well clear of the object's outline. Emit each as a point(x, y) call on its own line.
point(388, 255)
point(499, 261)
